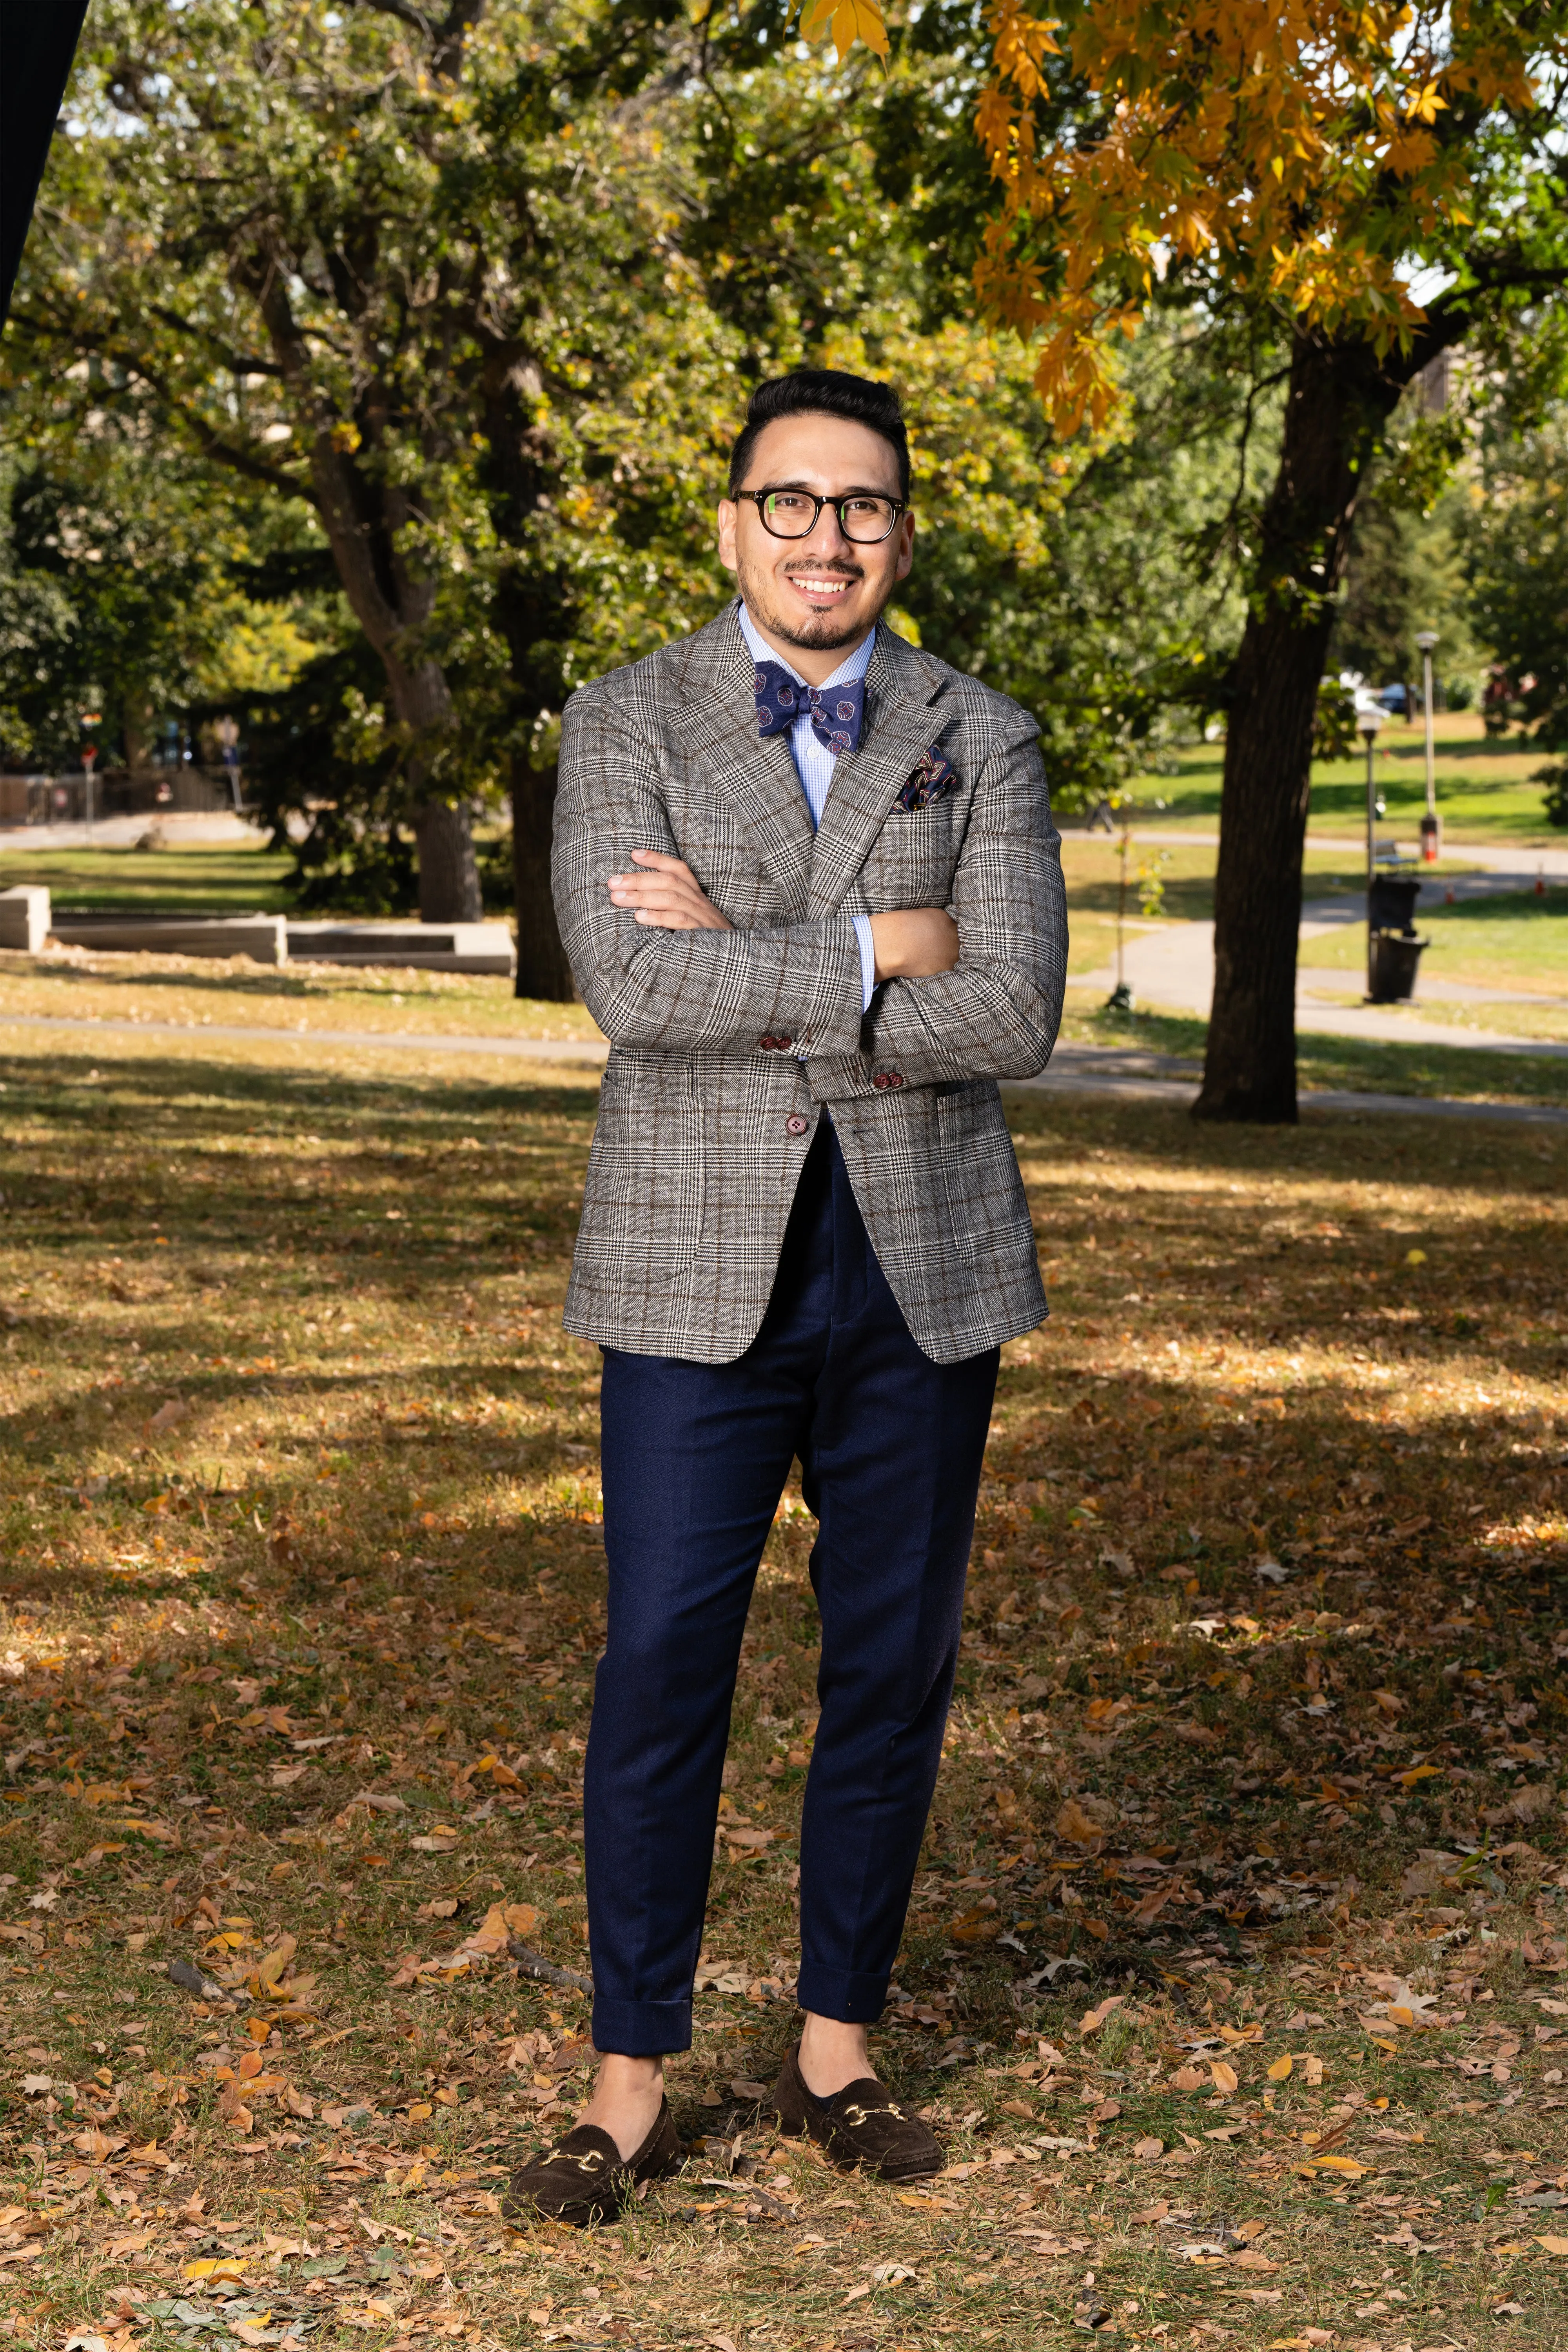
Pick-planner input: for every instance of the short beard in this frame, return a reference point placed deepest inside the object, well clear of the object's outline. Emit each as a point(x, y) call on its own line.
point(821, 632)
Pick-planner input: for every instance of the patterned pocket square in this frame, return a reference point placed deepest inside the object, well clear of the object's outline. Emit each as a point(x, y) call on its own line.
point(932, 779)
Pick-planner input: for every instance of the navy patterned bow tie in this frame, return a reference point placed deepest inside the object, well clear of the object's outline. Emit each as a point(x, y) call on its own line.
point(836, 711)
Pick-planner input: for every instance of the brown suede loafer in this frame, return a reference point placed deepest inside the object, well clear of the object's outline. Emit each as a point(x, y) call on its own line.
point(584, 2179)
point(863, 2124)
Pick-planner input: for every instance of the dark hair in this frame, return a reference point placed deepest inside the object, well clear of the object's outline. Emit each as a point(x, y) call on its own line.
point(822, 392)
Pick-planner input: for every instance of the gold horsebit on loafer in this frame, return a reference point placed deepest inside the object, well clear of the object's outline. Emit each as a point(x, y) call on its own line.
point(590, 2161)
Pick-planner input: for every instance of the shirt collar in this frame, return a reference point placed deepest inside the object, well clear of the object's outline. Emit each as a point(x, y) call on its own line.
point(854, 666)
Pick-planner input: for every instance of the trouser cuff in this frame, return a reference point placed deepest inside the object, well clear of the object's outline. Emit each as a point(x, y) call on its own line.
point(641, 2029)
point(847, 1994)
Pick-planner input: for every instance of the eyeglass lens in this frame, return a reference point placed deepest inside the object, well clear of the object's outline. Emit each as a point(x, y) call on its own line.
point(792, 514)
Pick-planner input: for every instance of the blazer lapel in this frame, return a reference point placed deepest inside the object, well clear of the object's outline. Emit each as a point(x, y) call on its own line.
point(903, 719)
point(757, 774)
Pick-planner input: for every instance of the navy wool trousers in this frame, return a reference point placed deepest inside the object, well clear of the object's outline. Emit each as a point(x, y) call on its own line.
point(695, 1459)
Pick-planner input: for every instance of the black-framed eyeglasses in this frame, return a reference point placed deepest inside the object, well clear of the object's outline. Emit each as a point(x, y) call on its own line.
point(794, 514)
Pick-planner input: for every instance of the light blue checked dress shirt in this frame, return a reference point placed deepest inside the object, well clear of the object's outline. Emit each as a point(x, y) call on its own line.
point(814, 764)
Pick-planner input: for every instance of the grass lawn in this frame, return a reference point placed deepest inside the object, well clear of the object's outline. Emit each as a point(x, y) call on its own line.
point(1236, 1977)
point(204, 878)
point(1343, 1065)
point(1092, 866)
point(197, 991)
point(1484, 791)
point(1512, 940)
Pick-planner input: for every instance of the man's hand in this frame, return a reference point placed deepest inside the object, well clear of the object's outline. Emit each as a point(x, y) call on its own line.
point(667, 896)
point(915, 943)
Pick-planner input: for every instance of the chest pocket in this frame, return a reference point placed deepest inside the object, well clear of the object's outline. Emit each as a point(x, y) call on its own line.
point(915, 855)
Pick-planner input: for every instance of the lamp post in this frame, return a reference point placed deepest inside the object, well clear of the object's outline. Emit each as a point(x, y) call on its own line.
point(1431, 824)
point(1368, 722)
point(88, 759)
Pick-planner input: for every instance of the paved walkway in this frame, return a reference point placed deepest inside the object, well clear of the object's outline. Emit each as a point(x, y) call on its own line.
point(1125, 1073)
point(1173, 967)
point(178, 826)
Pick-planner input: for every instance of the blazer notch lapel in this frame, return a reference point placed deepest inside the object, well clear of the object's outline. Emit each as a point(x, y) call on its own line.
point(757, 774)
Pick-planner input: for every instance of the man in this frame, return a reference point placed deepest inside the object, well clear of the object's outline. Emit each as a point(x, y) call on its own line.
point(810, 887)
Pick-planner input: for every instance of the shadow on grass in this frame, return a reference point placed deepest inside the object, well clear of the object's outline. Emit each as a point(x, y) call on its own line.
point(1353, 1064)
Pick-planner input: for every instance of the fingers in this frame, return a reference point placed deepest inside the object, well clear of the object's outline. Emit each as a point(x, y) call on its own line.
point(670, 895)
point(659, 890)
point(663, 863)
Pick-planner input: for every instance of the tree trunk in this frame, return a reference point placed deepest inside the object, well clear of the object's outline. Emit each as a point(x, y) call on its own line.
point(543, 969)
point(449, 877)
point(1339, 397)
point(533, 612)
point(443, 834)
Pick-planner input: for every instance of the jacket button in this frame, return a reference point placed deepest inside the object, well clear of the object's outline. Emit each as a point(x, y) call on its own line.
point(797, 1123)
point(784, 1044)
point(888, 1079)
point(767, 1043)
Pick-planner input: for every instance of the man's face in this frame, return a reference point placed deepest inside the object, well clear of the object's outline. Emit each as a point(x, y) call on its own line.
point(825, 592)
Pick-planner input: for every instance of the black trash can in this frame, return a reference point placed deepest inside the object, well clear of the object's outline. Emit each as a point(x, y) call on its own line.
point(1391, 903)
point(1394, 959)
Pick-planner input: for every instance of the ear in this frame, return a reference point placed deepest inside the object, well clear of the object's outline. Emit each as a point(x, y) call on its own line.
point(906, 547)
point(729, 520)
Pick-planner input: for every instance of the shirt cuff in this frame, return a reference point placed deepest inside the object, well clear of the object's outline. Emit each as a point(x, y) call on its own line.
point(867, 960)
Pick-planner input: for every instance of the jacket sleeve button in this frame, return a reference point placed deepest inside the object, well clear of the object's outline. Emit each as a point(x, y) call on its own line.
point(797, 1123)
point(888, 1079)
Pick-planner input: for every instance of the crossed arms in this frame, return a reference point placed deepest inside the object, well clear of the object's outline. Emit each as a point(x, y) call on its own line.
point(971, 991)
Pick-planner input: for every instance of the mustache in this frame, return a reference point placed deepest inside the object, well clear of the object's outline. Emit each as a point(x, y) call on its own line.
point(825, 571)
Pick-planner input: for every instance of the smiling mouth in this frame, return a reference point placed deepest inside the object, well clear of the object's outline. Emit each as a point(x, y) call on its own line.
point(820, 584)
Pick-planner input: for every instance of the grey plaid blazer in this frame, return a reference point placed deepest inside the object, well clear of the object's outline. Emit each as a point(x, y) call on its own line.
point(727, 1044)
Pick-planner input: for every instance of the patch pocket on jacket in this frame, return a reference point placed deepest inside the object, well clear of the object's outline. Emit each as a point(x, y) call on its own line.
point(643, 1199)
point(987, 1208)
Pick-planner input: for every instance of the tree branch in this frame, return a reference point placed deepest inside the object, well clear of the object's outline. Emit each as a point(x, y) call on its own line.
point(241, 363)
point(453, 32)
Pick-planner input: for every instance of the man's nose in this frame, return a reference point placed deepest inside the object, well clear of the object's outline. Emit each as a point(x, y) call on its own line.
point(834, 534)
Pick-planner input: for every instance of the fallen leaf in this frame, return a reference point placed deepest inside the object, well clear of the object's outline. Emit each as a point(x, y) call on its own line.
point(271, 1969)
point(1554, 2245)
point(1280, 2070)
point(1225, 2077)
point(1093, 2019)
point(1148, 2146)
point(1076, 1823)
point(174, 1410)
